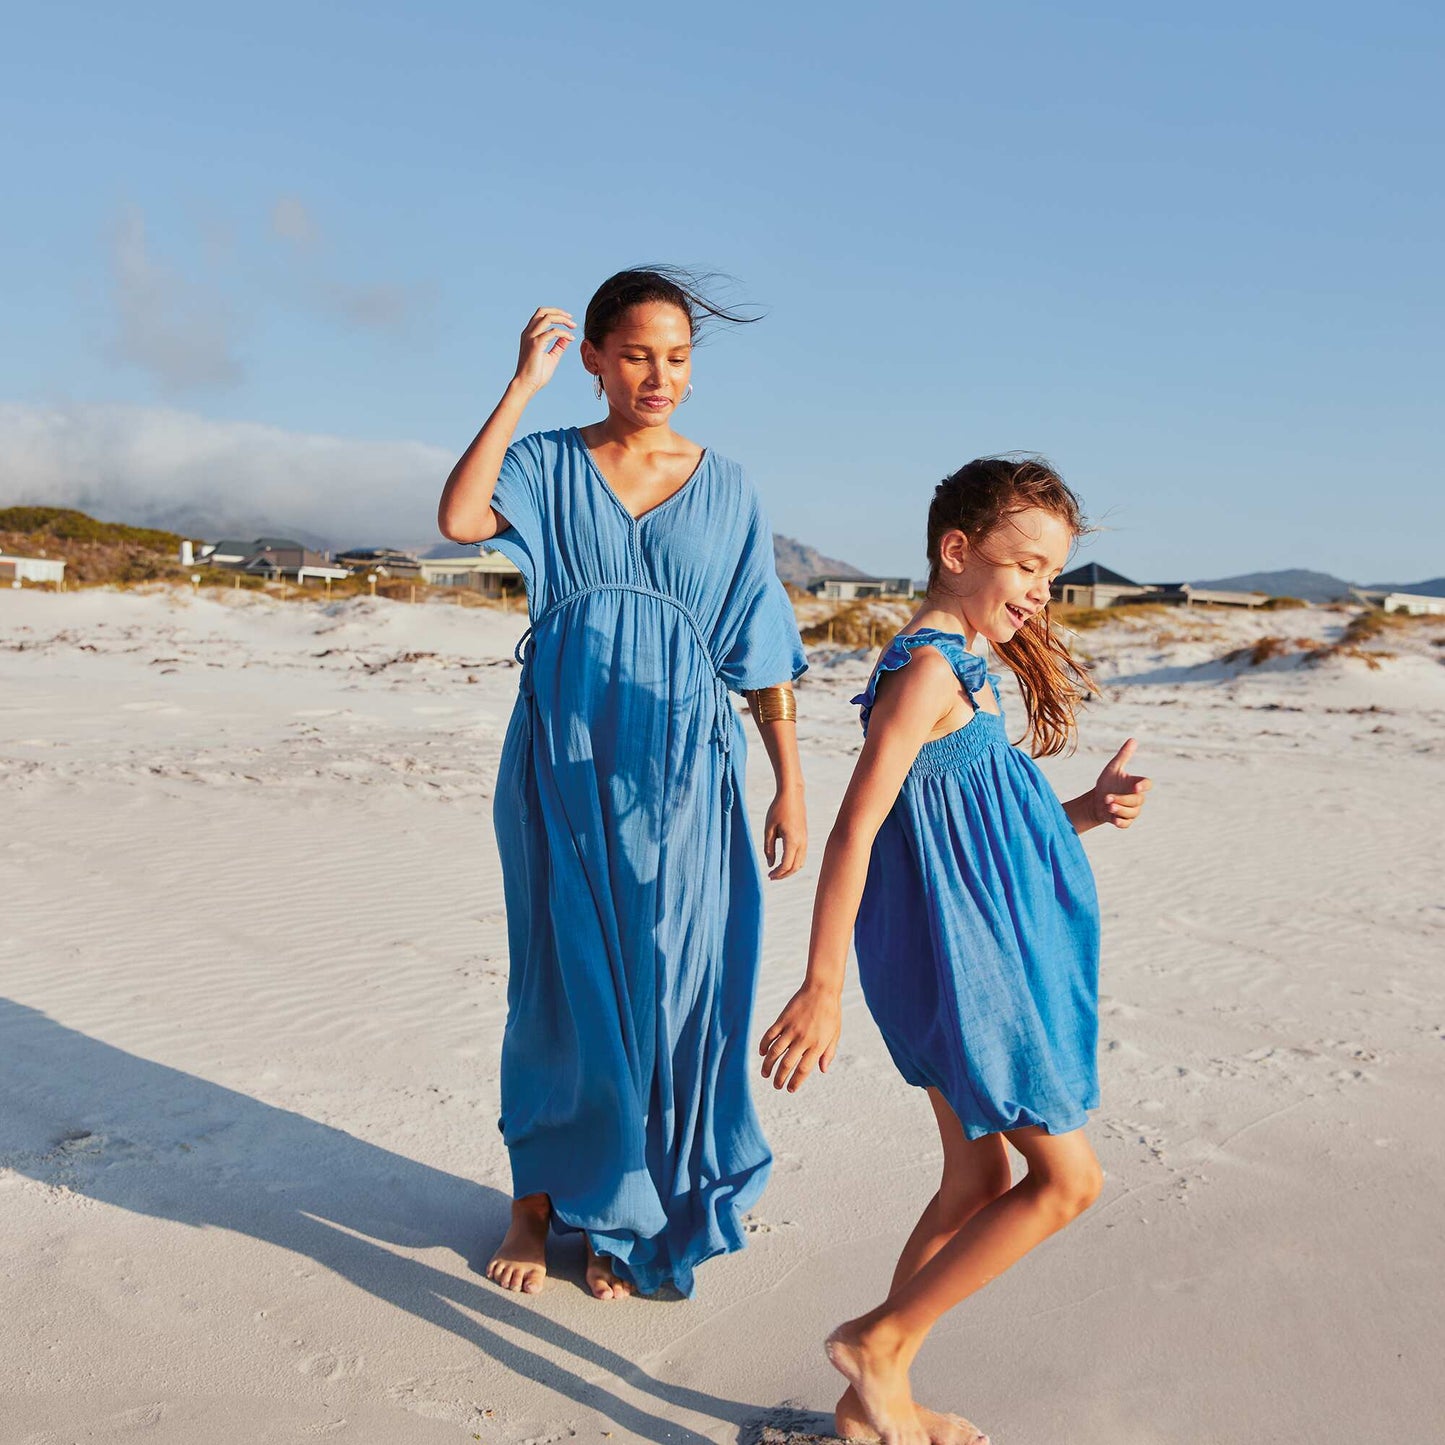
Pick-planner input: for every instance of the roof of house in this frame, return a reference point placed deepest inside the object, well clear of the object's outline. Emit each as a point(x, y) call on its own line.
point(1091, 574)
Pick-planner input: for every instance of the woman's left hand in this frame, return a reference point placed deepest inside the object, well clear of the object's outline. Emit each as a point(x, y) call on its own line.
point(785, 833)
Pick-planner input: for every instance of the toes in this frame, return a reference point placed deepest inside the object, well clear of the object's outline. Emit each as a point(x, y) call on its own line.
point(532, 1281)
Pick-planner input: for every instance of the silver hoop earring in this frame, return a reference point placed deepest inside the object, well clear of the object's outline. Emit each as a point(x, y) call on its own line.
point(597, 386)
point(686, 396)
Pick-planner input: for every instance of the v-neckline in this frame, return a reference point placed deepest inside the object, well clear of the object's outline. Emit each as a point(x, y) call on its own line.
point(635, 518)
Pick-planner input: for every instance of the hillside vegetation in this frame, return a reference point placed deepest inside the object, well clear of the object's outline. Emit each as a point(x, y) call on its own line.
point(93, 551)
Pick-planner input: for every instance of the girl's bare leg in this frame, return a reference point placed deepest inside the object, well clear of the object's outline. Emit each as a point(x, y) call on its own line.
point(975, 1173)
point(520, 1262)
point(875, 1350)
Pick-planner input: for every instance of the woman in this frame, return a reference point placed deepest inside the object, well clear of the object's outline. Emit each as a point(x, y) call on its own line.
point(634, 904)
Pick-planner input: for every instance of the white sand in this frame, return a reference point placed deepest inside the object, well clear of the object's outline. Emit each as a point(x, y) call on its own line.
point(254, 968)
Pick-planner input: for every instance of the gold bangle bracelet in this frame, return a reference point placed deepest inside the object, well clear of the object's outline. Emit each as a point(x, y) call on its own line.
point(775, 704)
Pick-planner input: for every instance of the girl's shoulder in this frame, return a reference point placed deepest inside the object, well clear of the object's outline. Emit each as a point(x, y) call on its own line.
point(933, 664)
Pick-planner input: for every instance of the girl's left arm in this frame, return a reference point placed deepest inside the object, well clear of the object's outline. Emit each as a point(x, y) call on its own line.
point(785, 832)
point(1116, 798)
point(805, 1033)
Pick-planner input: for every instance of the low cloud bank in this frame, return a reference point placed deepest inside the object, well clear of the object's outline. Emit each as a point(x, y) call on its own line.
point(161, 467)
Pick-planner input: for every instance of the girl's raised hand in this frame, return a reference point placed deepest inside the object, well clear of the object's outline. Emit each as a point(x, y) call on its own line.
point(806, 1033)
point(544, 338)
point(1118, 796)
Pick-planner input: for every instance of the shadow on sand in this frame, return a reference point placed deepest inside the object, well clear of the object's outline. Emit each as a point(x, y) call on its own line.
point(156, 1141)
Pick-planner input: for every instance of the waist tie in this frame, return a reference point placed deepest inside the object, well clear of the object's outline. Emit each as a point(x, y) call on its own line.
point(722, 728)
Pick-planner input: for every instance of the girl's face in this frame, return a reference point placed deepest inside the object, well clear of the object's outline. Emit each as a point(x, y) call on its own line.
point(1004, 581)
point(644, 362)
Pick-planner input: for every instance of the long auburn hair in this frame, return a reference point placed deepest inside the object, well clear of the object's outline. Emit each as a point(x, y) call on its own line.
point(974, 500)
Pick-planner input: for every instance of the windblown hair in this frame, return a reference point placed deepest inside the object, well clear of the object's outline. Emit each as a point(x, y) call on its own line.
point(668, 284)
point(974, 500)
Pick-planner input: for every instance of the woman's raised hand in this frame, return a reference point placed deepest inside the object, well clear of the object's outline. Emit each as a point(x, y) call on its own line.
point(544, 338)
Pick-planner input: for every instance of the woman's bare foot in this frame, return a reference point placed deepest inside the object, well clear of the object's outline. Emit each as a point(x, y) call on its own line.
point(851, 1423)
point(602, 1279)
point(521, 1261)
point(879, 1378)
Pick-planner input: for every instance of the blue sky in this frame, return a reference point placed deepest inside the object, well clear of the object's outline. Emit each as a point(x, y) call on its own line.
point(277, 258)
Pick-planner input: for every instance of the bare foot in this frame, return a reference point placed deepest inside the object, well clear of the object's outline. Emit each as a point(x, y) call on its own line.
point(851, 1423)
point(521, 1261)
point(880, 1386)
point(602, 1279)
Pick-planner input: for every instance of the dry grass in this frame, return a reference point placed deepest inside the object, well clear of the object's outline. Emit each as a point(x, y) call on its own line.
point(1366, 626)
point(1282, 604)
point(1081, 619)
point(1371, 659)
point(1261, 650)
point(864, 623)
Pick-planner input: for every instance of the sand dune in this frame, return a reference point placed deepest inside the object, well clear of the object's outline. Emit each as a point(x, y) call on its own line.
point(253, 965)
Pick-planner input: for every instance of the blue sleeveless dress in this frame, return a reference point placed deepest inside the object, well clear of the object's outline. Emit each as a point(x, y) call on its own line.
point(633, 893)
point(978, 934)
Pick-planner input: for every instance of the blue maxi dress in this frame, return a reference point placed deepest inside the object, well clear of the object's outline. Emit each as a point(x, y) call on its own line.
point(633, 893)
point(978, 934)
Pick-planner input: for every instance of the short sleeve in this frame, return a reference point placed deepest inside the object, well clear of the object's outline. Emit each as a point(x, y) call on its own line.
point(761, 645)
point(970, 669)
point(519, 498)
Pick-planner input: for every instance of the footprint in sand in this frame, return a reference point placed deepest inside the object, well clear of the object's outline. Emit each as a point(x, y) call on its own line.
point(330, 1367)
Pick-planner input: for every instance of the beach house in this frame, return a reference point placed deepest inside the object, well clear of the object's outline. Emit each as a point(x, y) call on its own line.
point(489, 573)
point(275, 558)
point(18, 570)
point(1095, 586)
point(847, 589)
point(1416, 604)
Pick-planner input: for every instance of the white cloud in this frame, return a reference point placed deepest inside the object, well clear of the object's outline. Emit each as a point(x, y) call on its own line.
point(291, 219)
point(178, 330)
point(164, 467)
point(383, 306)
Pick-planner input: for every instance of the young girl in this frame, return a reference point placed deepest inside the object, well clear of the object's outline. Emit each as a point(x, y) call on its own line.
point(977, 923)
point(634, 907)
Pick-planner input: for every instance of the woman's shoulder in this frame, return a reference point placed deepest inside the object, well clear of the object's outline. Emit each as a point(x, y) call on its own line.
point(542, 443)
point(728, 480)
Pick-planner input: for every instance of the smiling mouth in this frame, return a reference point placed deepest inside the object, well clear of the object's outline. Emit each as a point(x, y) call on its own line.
point(1017, 613)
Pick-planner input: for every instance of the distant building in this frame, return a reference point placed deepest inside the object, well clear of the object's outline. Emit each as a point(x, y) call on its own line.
point(848, 589)
point(1417, 604)
point(16, 570)
point(1187, 594)
point(389, 561)
point(1096, 586)
point(271, 557)
point(489, 573)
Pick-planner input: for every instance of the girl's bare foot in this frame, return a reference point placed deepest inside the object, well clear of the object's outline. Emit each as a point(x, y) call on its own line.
point(851, 1423)
point(879, 1378)
point(602, 1279)
point(521, 1261)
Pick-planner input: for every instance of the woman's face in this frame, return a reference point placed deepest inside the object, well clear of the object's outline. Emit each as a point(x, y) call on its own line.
point(644, 362)
point(1004, 581)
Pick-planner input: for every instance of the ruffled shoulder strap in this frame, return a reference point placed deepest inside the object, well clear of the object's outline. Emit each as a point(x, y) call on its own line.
point(970, 669)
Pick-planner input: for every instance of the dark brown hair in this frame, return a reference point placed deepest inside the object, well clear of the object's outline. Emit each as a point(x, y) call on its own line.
point(974, 500)
point(645, 284)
